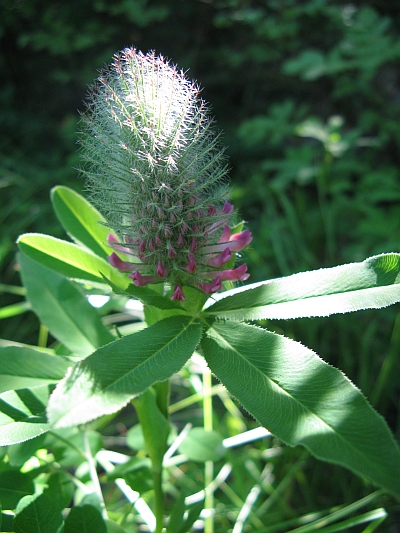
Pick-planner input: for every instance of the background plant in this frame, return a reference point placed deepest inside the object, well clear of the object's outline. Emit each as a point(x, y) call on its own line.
point(346, 65)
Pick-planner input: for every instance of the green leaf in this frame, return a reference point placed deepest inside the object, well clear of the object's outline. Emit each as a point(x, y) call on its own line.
point(85, 519)
point(67, 445)
point(22, 414)
point(193, 514)
point(113, 527)
point(135, 438)
point(19, 453)
point(81, 220)
point(309, 64)
point(60, 488)
point(37, 514)
point(372, 284)
point(24, 368)
point(201, 445)
point(176, 517)
point(92, 499)
point(7, 522)
point(63, 309)
point(68, 259)
point(110, 377)
point(303, 400)
point(14, 485)
point(136, 472)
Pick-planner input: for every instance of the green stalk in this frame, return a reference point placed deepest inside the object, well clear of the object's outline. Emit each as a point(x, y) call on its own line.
point(152, 411)
point(386, 377)
point(43, 336)
point(158, 500)
point(209, 465)
point(93, 473)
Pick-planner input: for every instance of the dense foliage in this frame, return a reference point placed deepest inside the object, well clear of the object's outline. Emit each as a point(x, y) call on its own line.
point(308, 96)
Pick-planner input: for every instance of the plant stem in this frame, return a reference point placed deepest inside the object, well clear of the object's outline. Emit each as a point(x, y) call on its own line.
point(152, 410)
point(209, 465)
point(43, 336)
point(93, 473)
point(158, 501)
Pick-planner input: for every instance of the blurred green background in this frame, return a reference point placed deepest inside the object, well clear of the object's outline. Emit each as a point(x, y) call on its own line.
point(307, 93)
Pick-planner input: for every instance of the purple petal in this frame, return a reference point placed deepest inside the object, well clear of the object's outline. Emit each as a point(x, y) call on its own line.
point(245, 237)
point(227, 208)
point(161, 270)
point(111, 239)
point(141, 281)
point(114, 243)
point(226, 234)
point(236, 274)
point(178, 294)
point(236, 243)
point(209, 288)
point(116, 262)
point(220, 259)
point(193, 246)
point(191, 266)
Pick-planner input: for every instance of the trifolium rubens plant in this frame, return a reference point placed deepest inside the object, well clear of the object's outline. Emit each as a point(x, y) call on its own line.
point(156, 171)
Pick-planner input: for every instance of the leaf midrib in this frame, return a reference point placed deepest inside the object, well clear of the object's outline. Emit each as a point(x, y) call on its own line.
point(90, 230)
point(90, 398)
point(54, 254)
point(224, 312)
point(294, 398)
point(112, 383)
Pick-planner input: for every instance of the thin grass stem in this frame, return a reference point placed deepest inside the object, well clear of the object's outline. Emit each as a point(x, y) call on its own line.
point(209, 465)
point(93, 473)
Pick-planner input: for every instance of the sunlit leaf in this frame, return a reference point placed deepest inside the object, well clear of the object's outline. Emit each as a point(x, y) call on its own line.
point(106, 380)
point(24, 368)
point(81, 220)
point(63, 308)
point(372, 284)
point(303, 400)
point(22, 414)
point(68, 259)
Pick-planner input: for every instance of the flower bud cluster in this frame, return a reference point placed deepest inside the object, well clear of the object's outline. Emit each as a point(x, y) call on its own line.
point(156, 171)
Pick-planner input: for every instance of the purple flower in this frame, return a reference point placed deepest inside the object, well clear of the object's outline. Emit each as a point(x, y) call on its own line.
point(156, 171)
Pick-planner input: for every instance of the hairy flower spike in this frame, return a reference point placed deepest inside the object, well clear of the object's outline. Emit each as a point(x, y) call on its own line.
point(156, 171)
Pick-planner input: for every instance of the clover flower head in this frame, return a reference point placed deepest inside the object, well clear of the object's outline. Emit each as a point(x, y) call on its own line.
point(157, 173)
